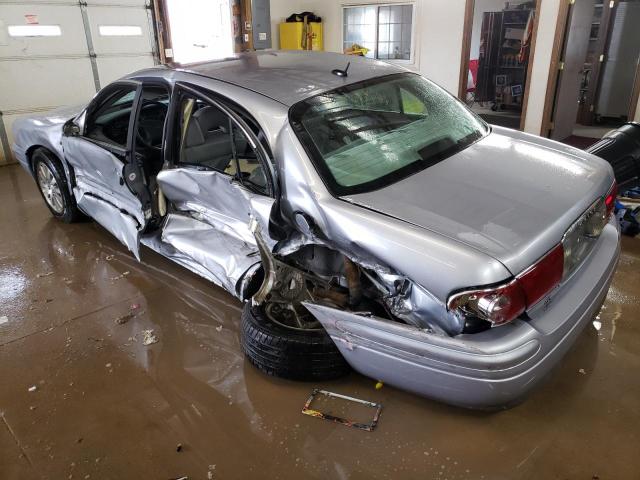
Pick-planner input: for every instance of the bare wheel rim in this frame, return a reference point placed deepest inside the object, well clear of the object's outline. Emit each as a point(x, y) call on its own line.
point(50, 188)
point(288, 316)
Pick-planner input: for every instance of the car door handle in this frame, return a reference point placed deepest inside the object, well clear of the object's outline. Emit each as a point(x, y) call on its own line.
point(121, 180)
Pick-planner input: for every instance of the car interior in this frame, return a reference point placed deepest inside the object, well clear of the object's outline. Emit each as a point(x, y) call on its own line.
point(109, 123)
point(209, 139)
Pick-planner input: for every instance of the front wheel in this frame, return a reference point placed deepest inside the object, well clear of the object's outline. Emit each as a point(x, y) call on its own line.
point(53, 187)
point(287, 352)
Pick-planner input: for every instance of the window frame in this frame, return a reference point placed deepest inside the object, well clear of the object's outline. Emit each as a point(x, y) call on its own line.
point(103, 96)
point(229, 108)
point(377, 5)
point(150, 82)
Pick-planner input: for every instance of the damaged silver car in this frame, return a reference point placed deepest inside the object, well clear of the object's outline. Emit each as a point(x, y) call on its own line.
point(366, 217)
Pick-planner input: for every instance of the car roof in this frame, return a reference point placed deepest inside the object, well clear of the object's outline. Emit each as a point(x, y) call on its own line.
point(290, 76)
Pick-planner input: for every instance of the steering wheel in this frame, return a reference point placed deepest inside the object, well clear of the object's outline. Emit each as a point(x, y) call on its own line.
point(142, 135)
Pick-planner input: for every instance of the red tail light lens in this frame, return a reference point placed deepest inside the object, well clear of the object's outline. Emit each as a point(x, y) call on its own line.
point(610, 199)
point(505, 303)
point(543, 276)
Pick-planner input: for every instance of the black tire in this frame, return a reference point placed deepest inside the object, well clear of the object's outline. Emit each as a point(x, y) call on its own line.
point(289, 353)
point(68, 213)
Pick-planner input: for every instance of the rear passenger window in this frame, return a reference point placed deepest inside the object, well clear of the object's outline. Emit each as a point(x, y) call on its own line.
point(211, 140)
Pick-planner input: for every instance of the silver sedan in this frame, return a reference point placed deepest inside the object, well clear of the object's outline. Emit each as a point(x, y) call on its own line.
point(366, 217)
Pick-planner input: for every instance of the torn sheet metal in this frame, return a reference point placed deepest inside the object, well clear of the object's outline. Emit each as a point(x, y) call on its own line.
point(155, 243)
point(416, 306)
point(369, 427)
point(218, 200)
point(225, 258)
point(123, 226)
point(100, 172)
point(405, 299)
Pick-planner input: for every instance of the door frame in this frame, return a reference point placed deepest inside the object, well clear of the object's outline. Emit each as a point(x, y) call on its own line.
point(556, 54)
point(469, 9)
point(132, 172)
point(228, 107)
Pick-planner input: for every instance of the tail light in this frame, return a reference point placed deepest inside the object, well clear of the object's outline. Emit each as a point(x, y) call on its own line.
point(497, 305)
point(610, 199)
point(504, 303)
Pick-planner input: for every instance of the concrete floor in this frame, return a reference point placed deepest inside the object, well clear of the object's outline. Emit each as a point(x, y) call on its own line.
point(106, 406)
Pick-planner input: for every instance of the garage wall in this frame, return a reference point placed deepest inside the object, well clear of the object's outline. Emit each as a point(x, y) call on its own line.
point(438, 34)
point(440, 26)
point(280, 10)
point(541, 61)
point(439, 30)
point(42, 73)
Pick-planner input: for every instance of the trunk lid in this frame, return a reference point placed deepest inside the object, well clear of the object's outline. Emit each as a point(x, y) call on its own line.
point(509, 195)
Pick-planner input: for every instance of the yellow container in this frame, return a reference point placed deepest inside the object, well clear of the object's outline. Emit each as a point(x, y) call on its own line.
point(291, 35)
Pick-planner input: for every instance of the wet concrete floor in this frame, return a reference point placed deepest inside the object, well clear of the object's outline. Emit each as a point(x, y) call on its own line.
point(106, 406)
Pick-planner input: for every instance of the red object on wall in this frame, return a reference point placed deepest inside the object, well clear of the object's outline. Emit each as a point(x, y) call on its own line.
point(473, 68)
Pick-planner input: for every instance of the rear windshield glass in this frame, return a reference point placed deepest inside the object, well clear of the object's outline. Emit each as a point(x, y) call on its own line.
point(367, 135)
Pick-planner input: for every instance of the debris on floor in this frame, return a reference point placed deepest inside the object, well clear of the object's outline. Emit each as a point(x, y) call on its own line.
point(122, 319)
point(148, 337)
point(122, 275)
point(379, 385)
point(40, 275)
point(33, 388)
point(210, 472)
point(369, 427)
point(219, 328)
point(4, 319)
point(597, 324)
point(134, 311)
point(582, 371)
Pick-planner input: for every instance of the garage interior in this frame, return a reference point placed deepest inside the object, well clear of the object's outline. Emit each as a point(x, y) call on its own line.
point(85, 395)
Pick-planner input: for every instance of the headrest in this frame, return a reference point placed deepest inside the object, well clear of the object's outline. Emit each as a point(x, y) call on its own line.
point(205, 121)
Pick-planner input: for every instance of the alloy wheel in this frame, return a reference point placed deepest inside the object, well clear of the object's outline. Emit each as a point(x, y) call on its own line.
point(50, 188)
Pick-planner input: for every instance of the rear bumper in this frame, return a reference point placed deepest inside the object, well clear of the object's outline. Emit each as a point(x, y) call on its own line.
point(485, 370)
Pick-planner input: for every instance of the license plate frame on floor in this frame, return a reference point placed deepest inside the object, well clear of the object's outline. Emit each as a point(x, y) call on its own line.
point(369, 427)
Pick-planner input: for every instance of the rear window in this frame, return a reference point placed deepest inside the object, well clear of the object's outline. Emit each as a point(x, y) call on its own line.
point(370, 134)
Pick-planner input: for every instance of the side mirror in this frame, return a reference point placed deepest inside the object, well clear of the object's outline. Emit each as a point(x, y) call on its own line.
point(71, 129)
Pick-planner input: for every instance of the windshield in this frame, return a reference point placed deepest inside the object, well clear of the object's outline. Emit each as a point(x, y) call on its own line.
point(370, 134)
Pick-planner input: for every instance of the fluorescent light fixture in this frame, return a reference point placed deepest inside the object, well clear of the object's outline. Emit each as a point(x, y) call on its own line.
point(120, 30)
point(34, 31)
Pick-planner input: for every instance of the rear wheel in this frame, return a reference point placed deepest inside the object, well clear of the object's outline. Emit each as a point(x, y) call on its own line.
point(53, 186)
point(280, 349)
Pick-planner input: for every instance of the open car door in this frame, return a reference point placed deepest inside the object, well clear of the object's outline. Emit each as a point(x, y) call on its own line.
point(109, 181)
point(217, 180)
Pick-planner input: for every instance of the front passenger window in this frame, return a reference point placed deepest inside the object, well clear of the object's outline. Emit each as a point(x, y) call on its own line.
point(210, 139)
point(109, 122)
